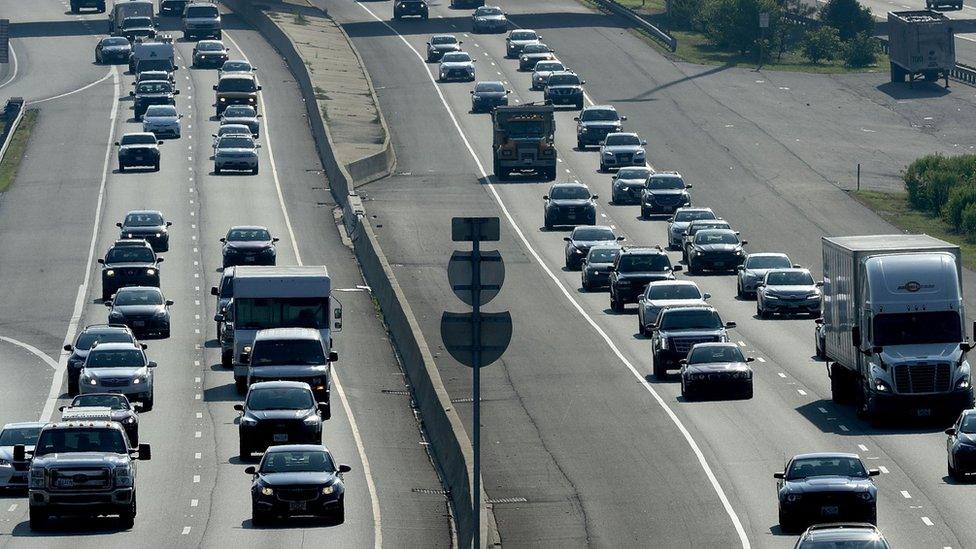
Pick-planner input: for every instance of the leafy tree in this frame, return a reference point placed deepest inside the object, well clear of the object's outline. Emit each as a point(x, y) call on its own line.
point(861, 51)
point(847, 16)
point(820, 44)
point(734, 24)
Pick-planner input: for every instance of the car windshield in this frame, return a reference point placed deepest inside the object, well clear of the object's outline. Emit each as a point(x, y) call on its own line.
point(768, 262)
point(672, 291)
point(233, 129)
point(634, 173)
point(456, 57)
point(235, 66)
point(487, 11)
point(543, 66)
point(288, 352)
point(130, 254)
point(585, 234)
point(659, 182)
point(524, 35)
point(235, 142)
point(239, 111)
point(165, 65)
point(85, 439)
point(968, 424)
point(202, 11)
point(716, 237)
point(685, 217)
point(691, 319)
point(917, 328)
point(130, 22)
point(602, 255)
point(489, 87)
point(591, 115)
point(19, 435)
point(826, 467)
point(564, 80)
point(86, 339)
point(535, 48)
point(154, 87)
point(138, 139)
point(146, 296)
point(281, 312)
point(442, 40)
point(792, 278)
point(115, 358)
point(644, 263)
point(210, 46)
point(280, 398)
point(622, 139)
point(705, 354)
point(115, 402)
point(702, 226)
point(569, 193)
point(115, 41)
point(161, 110)
point(298, 461)
point(143, 220)
point(152, 75)
point(236, 85)
point(843, 538)
point(248, 235)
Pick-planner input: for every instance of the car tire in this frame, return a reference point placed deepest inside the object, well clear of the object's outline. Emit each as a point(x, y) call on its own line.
point(585, 285)
point(547, 223)
point(761, 312)
point(579, 104)
point(840, 389)
point(786, 524)
point(147, 405)
point(244, 450)
point(240, 383)
point(747, 393)
point(339, 515)
point(603, 168)
point(254, 171)
point(953, 473)
point(227, 359)
point(258, 518)
point(685, 393)
point(121, 167)
point(616, 305)
point(72, 388)
point(128, 515)
point(580, 145)
point(165, 335)
point(156, 166)
point(38, 518)
point(216, 169)
point(739, 292)
point(660, 372)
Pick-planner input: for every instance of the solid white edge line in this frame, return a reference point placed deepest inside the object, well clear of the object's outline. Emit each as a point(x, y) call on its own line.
point(55, 391)
point(112, 71)
point(743, 538)
point(33, 350)
point(357, 437)
point(13, 57)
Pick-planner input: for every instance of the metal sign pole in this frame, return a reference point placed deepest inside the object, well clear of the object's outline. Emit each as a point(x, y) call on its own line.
point(476, 382)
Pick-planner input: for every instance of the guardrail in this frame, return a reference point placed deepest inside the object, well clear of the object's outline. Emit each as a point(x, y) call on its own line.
point(641, 23)
point(13, 112)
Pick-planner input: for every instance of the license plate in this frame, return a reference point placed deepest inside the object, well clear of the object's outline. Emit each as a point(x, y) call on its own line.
point(719, 263)
point(251, 259)
point(571, 216)
point(281, 437)
point(830, 510)
point(139, 323)
point(296, 505)
point(139, 159)
point(924, 412)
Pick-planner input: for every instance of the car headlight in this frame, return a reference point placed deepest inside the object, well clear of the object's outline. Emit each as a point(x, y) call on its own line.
point(607, 153)
point(248, 421)
point(267, 491)
point(963, 383)
point(328, 489)
point(123, 476)
point(150, 272)
point(699, 253)
point(525, 58)
point(130, 420)
point(159, 235)
point(881, 386)
point(223, 99)
point(770, 296)
point(865, 496)
point(138, 380)
point(110, 272)
point(793, 497)
point(639, 153)
point(738, 252)
point(92, 381)
point(312, 420)
point(4, 463)
point(36, 477)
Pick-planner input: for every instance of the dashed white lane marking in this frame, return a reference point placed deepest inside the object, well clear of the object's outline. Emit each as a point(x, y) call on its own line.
point(12, 508)
point(197, 434)
point(742, 343)
point(862, 447)
point(927, 521)
point(761, 359)
point(883, 469)
point(186, 530)
point(194, 502)
point(844, 428)
point(196, 380)
point(199, 415)
point(197, 455)
point(802, 392)
point(196, 479)
point(781, 374)
point(198, 396)
point(905, 494)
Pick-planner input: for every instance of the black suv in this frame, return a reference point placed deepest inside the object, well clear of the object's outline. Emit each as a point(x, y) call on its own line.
point(404, 8)
point(664, 193)
point(564, 88)
point(569, 204)
point(138, 149)
point(152, 92)
point(278, 412)
point(716, 250)
point(633, 269)
point(147, 225)
point(680, 328)
point(594, 123)
point(129, 264)
point(106, 333)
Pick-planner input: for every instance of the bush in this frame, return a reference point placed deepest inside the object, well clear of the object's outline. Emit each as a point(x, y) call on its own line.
point(916, 175)
point(968, 224)
point(849, 17)
point(938, 184)
point(861, 51)
point(734, 24)
point(822, 43)
point(960, 198)
point(684, 13)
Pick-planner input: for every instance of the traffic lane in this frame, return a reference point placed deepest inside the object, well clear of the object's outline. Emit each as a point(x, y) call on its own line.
point(557, 257)
point(386, 423)
point(20, 362)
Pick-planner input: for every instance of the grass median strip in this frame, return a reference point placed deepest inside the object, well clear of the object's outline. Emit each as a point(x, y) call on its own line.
point(15, 152)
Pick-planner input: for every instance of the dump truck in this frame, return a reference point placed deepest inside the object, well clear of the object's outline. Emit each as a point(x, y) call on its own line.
point(920, 45)
point(524, 140)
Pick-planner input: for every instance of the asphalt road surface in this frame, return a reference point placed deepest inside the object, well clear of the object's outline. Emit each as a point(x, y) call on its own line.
point(60, 216)
point(570, 426)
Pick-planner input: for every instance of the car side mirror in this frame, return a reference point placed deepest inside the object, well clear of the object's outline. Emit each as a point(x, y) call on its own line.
point(107, 303)
point(670, 220)
point(683, 361)
point(169, 302)
point(744, 242)
point(224, 240)
point(344, 468)
point(797, 266)
point(119, 225)
point(259, 88)
point(652, 326)
point(819, 321)
point(950, 431)
point(471, 92)
point(706, 295)
point(144, 346)
point(611, 269)
point(260, 116)
point(740, 268)
point(117, 144)
point(68, 348)
point(219, 317)
point(965, 347)
point(250, 470)
point(101, 261)
point(621, 238)
point(873, 472)
point(145, 452)
point(730, 325)
point(176, 92)
point(779, 475)
point(215, 87)
point(245, 358)
point(333, 356)
point(214, 290)
point(545, 197)
point(160, 259)
point(132, 94)
point(275, 239)
point(160, 142)
point(643, 142)
point(820, 284)
point(677, 268)
point(239, 407)
point(623, 118)
point(688, 186)
point(567, 239)
point(61, 408)
point(594, 197)
point(750, 359)
point(152, 364)
point(169, 223)
point(576, 119)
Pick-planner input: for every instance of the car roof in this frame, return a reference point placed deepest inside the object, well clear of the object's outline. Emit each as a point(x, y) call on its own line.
point(499, 82)
point(116, 346)
point(24, 425)
point(586, 227)
point(157, 212)
point(247, 228)
point(767, 254)
point(642, 250)
point(814, 455)
point(670, 173)
point(690, 308)
point(717, 344)
point(715, 231)
point(569, 184)
point(789, 270)
point(132, 134)
point(695, 209)
point(562, 73)
point(238, 76)
point(140, 288)
point(622, 133)
point(443, 36)
point(296, 447)
point(280, 385)
point(288, 333)
point(131, 243)
point(211, 41)
point(106, 328)
point(677, 282)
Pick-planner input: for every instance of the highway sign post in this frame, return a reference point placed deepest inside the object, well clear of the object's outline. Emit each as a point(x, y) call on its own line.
point(476, 339)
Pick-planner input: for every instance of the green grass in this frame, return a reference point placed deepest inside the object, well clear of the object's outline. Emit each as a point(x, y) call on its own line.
point(895, 209)
point(15, 152)
point(644, 6)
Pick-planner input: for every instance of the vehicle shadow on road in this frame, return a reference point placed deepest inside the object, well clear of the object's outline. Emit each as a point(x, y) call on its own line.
point(293, 522)
point(222, 393)
point(838, 415)
point(920, 90)
point(71, 526)
point(777, 530)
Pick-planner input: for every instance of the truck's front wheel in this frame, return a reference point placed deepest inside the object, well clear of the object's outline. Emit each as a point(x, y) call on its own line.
point(840, 389)
point(241, 384)
point(38, 518)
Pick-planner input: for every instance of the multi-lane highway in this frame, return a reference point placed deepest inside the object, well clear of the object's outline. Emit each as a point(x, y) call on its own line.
point(599, 455)
point(60, 216)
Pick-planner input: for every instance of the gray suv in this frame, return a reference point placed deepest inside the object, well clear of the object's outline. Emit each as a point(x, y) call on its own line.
point(201, 20)
point(119, 368)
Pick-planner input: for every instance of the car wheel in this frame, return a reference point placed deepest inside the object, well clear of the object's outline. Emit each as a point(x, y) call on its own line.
point(240, 383)
point(216, 169)
point(579, 104)
point(548, 224)
point(580, 145)
point(156, 166)
point(254, 171)
point(38, 518)
point(738, 290)
point(953, 473)
point(786, 524)
point(616, 304)
point(644, 213)
point(660, 371)
point(586, 285)
point(818, 349)
point(244, 450)
point(121, 167)
point(339, 515)
point(128, 515)
point(72, 388)
point(166, 334)
point(227, 359)
point(747, 392)
point(761, 313)
point(685, 394)
point(258, 518)
point(147, 405)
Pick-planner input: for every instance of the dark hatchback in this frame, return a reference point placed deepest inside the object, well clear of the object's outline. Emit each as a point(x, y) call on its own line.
point(278, 412)
point(715, 250)
point(569, 204)
point(961, 446)
point(579, 242)
point(105, 333)
point(633, 269)
point(297, 480)
point(249, 245)
point(148, 225)
point(596, 267)
point(487, 95)
point(826, 487)
point(127, 265)
point(143, 309)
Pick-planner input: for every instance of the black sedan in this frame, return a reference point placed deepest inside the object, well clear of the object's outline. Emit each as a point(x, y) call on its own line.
point(440, 44)
point(139, 149)
point(249, 245)
point(113, 49)
point(961, 446)
point(105, 407)
point(826, 487)
point(487, 95)
point(278, 412)
point(209, 53)
point(148, 225)
point(842, 534)
point(143, 309)
point(569, 204)
point(715, 250)
point(126, 264)
point(596, 266)
point(297, 480)
point(488, 19)
point(628, 183)
point(716, 369)
point(579, 242)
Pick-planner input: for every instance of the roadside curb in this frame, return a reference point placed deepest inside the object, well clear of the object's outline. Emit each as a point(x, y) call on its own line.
point(450, 445)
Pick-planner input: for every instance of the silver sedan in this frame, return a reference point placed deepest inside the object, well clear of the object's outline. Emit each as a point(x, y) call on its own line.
point(162, 120)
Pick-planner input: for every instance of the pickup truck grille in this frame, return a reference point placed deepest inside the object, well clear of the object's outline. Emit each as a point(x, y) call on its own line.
point(81, 478)
point(922, 378)
point(684, 344)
